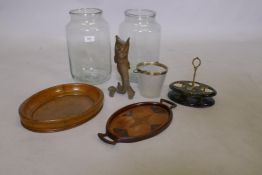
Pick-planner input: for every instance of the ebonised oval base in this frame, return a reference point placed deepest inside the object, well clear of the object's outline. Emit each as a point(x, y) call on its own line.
point(186, 100)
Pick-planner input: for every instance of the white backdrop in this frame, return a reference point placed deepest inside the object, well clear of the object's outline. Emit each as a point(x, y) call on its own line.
point(180, 19)
point(224, 139)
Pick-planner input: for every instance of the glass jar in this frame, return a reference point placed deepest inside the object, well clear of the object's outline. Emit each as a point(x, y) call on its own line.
point(144, 33)
point(88, 43)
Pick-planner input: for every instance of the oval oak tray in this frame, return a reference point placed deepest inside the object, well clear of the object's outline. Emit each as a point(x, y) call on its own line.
point(61, 107)
point(138, 121)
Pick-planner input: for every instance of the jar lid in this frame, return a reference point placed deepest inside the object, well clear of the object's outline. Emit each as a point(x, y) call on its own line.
point(151, 68)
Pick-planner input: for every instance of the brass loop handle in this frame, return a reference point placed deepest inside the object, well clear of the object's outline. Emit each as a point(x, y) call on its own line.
point(196, 63)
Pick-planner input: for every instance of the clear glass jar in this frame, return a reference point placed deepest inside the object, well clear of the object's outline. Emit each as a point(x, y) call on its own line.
point(144, 33)
point(88, 43)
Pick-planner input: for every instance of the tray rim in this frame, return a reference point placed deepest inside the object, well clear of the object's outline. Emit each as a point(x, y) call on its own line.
point(142, 137)
point(94, 110)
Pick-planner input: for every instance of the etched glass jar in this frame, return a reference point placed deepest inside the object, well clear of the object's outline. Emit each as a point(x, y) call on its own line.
point(144, 33)
point(88, 43)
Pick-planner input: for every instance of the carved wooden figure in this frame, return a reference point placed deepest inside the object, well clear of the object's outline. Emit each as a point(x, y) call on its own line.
point(121, 60)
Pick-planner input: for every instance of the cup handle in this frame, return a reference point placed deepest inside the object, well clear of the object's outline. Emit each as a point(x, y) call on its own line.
point(172, 105)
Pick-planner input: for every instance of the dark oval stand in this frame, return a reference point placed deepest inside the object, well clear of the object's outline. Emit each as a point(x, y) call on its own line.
point(199, 97)
point(192, 93)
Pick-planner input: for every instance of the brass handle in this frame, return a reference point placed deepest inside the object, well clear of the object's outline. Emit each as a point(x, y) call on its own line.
point(103, 138)
point(196, 63)
point(172, 105)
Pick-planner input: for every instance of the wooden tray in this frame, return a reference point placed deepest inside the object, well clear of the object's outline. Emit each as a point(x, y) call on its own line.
point(138, 121)
point(61, 107)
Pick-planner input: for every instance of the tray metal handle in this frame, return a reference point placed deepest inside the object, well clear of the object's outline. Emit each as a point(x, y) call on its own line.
point(104, 137)
point(172, 105)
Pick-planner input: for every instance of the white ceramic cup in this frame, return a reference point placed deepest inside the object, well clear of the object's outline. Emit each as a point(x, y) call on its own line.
point(151, 76)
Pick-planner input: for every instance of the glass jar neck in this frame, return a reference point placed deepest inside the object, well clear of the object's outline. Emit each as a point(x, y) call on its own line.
point(85, 13)
point(140, 15)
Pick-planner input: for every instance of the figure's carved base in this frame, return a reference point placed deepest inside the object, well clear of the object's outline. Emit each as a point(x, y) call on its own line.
point(112, 90)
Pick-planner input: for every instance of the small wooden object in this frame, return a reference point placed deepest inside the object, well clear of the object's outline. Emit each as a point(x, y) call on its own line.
point(121, 60)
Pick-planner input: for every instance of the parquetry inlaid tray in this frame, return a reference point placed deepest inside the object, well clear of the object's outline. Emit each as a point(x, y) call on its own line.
point(138, 121)
point(61, 107)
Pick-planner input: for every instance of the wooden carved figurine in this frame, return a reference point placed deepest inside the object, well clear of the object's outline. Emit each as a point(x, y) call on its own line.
point(121, 60)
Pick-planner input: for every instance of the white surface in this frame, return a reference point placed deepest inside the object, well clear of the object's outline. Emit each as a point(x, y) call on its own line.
point(223, 139)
